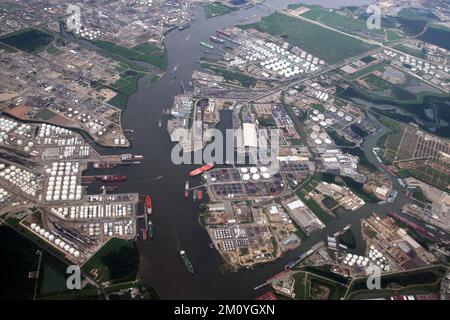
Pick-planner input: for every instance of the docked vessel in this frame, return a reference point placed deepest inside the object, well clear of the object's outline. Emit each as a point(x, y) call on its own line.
point(216, 40)
point(109, 189)
point(150, 230)
point(144, 234)
point(223, 33)
point(130, 157)
point(207, 45)
point(186, 190)
point(199, 195)
point(187, 262)
point(113, 178)
point(184, 26)
point(104, 165)
point(148, 204)
point(202, 169)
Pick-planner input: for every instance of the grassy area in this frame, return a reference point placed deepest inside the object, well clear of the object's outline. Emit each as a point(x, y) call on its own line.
point(309, 285)
point(144, 52)
point(53, 50)
point(331, 46)
point(299, 286)
point(319, 107)
point(427, 280)
point(411, 51)
point(429, 175)
point(29, 40)
point(339, 19)
point(116, 260)
point(7, 48)
point(315, 208)
point(216, 9)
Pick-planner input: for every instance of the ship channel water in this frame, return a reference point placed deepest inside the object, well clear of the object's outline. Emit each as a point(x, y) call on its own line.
point(175, 218)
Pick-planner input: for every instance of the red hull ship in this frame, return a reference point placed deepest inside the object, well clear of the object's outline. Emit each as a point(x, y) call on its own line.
point(113, 178)
point(148, 204)
point(200, 195)
point(202, 169)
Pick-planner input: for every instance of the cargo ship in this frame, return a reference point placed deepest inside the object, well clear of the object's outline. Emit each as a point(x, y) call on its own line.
point(412, 225)
point(148, 204)
point(223, 33)
point(207, 45)
point(104, 165)
point(150, 230)
point(186, 190)
point(130, 157)
point(202, 169)
point(187, 262)
point(216, 40)
point(113, 178)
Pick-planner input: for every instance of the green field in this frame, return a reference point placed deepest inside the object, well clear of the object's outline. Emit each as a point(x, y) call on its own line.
point(409, 282)
point(216, 9)
point(28, 40)
point(144, 52)
point(339, 19)
point(308, 285)
point(328, 45)
point(116, 260)
point(53, 50)
point(411, 51)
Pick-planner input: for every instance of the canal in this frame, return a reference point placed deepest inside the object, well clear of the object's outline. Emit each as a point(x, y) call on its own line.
point(175, 218)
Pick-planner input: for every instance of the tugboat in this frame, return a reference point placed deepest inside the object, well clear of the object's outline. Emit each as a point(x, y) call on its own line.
point(186, 189)
point(199, 195)
point(150, 230)
point(187, 262)
point(144, 234)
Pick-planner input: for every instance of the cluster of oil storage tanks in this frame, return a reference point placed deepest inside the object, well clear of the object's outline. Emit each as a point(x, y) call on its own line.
point(318, 136)
point(22, 132)
point(118, 228)
point(254, 173)
point(48, 130)
point(62, 184)
point(379, 259)
point(88, 34)
point(55, 240)
point(113, 210)
point(25, 180)
point(352, 259)
point(279, 60)
point(375, 258)
point(120, 140)
point(3, 195)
